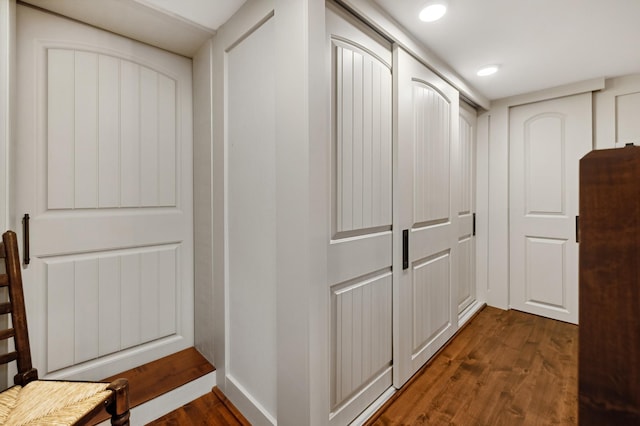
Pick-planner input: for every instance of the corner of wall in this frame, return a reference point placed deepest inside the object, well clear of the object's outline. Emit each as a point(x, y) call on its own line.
point(203, 203)
point(493, 204)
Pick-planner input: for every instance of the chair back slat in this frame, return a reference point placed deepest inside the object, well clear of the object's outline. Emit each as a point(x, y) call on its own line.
point(7, 333)
point(20, 333)
point(4, 279)
point(8, 357)
point(5, 308)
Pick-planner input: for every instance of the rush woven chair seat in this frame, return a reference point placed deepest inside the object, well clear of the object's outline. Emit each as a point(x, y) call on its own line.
point(46, 402)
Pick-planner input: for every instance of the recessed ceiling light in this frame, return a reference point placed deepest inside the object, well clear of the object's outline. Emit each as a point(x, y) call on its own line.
point(433, 11)
point(487, 70)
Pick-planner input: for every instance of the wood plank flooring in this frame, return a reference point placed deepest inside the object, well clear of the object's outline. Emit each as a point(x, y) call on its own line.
point(211, 409)
point(503, 368)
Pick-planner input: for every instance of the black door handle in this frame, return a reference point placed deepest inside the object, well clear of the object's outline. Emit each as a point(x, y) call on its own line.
point(405, 249)
point(25, 225)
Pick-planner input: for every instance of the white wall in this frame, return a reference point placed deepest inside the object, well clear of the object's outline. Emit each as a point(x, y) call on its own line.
point(269, 308)
point(302, 165)
point(617, 113)
point(203, 201)
point(251, 216)
point(244, 210)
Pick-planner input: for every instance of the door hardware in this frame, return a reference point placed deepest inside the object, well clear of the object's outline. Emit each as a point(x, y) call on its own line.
point(405, 249)
point(474, 225)
point(25, 237)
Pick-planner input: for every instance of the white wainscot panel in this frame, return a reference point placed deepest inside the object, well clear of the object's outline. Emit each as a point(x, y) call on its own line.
point(627, 122)
point(431, 118)
point(361, 336)
point(544, 139)
point(112, 132)
point(252, 285)
point(545, 278)
point(102, 303)
point(431, 299)
point(362, 149)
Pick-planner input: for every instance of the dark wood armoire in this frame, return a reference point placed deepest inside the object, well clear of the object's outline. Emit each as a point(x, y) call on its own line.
point(609, 319)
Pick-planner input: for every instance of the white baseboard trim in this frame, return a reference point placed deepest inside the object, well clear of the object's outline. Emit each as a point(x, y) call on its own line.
point(375, 406)
point(242, 399)
point(469, 312)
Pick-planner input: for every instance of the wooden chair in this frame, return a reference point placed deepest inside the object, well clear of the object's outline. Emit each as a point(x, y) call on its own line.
point(32, 401)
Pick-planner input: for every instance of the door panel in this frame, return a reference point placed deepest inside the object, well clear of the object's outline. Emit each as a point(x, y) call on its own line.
point(431, 307)
point(466, 209)
point(359, 249)
point(363, 164)
point(432, 165)
point(426, 292)
point(547, 139)
point(103, 160)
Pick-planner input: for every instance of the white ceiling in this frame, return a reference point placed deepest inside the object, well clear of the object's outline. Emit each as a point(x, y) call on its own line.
point(208, 13)
point(538, 43)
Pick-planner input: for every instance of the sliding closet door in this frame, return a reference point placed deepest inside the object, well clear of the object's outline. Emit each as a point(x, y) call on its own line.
point(360, 244)
point(426, 241)
point(466, 209)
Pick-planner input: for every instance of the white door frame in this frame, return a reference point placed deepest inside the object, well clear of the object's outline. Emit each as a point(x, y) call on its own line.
point(7, 79)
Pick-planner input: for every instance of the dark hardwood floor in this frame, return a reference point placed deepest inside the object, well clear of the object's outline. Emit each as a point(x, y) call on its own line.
point(211, 409)
point(503, 368)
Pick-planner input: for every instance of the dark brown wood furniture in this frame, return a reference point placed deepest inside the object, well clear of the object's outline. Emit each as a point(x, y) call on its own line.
point(609, 319)
point(59, 402)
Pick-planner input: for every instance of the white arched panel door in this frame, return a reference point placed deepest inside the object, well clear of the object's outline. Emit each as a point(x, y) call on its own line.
point(547, 140)
point(426, 206)
point(103, 168)
point(466, 210)
point(360, 244)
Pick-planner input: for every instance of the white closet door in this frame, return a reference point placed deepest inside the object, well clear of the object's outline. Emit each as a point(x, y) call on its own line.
point(466, 208)
point(547, 140)
point(360, 245)
point(426, 290)
point(103, 168)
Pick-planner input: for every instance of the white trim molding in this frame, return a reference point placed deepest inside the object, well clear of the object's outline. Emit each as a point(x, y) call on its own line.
point(7, 76)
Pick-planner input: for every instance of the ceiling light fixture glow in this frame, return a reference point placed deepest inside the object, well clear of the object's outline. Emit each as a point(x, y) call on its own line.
point(487, 70)
point(433, 11)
